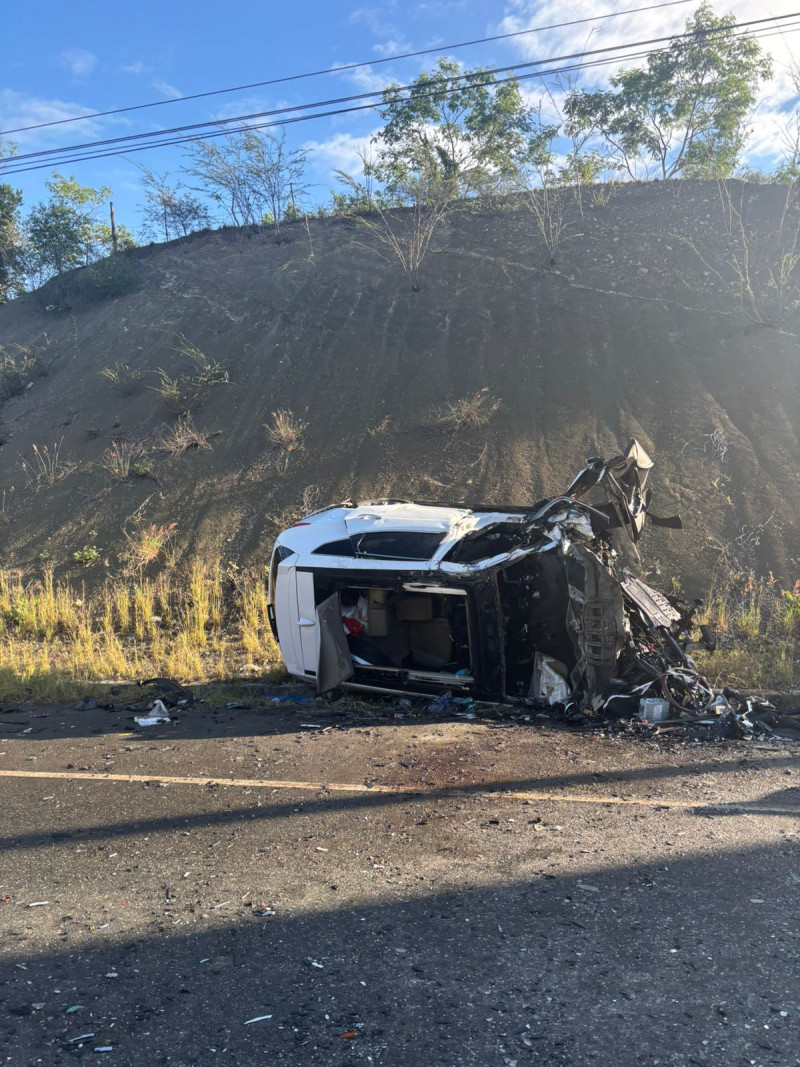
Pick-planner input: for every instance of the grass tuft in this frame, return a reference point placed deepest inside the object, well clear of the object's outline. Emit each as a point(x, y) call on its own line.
point(468, 411)
point(285, 430)
point(183, 437)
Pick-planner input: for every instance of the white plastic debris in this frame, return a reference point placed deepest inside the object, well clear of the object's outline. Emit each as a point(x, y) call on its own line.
point(547, 685)
point(159, 716)
point(258, 1019)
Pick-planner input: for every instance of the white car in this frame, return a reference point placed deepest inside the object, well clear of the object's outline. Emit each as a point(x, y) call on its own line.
point(496, 603)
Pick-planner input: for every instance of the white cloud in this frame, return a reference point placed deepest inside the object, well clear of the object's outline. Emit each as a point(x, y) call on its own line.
point(80, 62)
point(244, 105)
point(134, 68)
point(394, 46)
point(19, 109)
point(392, 40)
point(340, 152)
point(365, 78)
point(165, 88)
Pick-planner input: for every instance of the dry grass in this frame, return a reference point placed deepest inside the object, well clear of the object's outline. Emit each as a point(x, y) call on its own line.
point(199, 625)
point(468, 411)
point(285, 430)
point(188, 390)
point(46, 467)
point(124, 378)
point(118, 459)
point(757, 625)
point(146, 543)
point(183, 437)
point(382, 428)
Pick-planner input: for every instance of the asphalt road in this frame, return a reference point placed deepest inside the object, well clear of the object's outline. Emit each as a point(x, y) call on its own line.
point(393, 889)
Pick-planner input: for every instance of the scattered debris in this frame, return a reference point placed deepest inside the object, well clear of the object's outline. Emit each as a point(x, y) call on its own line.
point(159, 716)
point(171, 693)
point(74, 1008)
point(293, 700)
point(87, 704)
point(257, 1019)
point(38, 903)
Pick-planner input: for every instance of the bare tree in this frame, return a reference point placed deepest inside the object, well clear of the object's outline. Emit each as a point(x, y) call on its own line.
point(252, 176)
point(168, 210)
point(756, 265)
point(276, 176)
point(222, 168)
point(404, 230)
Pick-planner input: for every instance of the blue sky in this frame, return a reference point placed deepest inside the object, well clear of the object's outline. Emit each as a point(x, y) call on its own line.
point(59, 60)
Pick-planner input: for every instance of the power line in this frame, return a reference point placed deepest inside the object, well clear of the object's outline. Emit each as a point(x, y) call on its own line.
point(349, 110)
point(130, 139)
point(346, 67)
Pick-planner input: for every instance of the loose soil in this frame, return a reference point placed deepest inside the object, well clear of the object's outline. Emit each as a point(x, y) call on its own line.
point(628, 333)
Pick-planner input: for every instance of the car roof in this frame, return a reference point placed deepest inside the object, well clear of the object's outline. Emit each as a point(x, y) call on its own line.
point(451, 522)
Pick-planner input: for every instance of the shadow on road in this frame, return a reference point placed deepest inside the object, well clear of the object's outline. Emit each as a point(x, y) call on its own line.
point(691, 964)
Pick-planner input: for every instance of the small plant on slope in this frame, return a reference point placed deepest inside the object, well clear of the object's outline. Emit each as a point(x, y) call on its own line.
point(471, 411)
point(125, 379)
point(47, 467)
point(285, 430)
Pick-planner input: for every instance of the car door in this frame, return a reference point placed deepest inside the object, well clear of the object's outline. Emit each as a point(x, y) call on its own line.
point(285, 606)
point(306, 616)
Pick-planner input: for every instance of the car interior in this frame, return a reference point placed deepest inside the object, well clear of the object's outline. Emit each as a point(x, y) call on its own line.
point(390, 627)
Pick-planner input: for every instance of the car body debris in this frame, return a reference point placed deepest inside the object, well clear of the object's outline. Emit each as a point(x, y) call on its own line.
point(536, 605)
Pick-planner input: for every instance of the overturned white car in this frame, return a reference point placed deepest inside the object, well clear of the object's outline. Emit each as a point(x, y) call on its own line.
point(491, 602)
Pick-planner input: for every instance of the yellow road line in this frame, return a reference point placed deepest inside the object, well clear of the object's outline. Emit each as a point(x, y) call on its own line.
point(410, 790)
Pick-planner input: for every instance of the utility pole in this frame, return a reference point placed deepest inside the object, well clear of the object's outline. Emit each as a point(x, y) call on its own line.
point(113, 228)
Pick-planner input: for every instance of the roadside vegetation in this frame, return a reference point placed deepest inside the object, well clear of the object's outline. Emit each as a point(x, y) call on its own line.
point(200, 623)
point(757, 626)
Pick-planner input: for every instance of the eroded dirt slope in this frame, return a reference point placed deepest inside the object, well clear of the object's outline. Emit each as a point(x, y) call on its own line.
point(629, 332)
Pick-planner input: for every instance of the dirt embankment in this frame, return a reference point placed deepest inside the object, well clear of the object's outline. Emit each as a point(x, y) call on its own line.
point(637, 328)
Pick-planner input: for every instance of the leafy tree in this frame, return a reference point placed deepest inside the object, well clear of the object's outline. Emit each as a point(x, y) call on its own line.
point(11, 246)
point(683, 113)
point(56, 240)
point(65, 232)
point(168, 210)
point(457, 126)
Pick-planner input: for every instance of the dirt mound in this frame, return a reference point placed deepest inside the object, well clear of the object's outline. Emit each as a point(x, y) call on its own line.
point(636, 330)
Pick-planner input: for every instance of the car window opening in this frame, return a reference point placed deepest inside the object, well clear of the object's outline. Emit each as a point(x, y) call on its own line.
point(384, 544)
point(394, 628)
point(483, 544)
